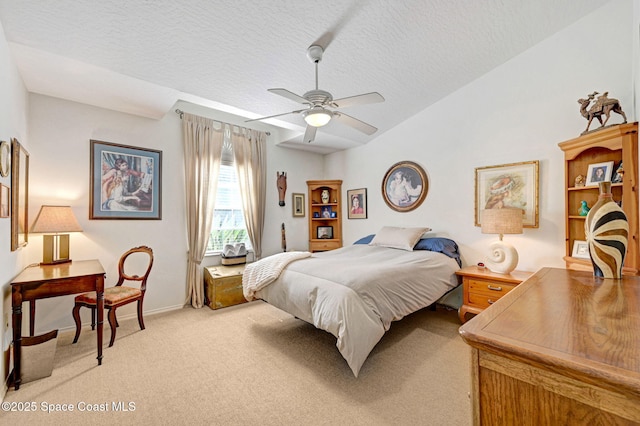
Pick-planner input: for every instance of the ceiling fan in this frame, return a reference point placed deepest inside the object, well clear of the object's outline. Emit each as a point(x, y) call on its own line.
point(321, 106)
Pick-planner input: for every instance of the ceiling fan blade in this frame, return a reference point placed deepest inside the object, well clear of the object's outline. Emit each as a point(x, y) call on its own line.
point(366, 98)
point(277, 115)
point(290, 95)
point(310, 134)
point(355, 123)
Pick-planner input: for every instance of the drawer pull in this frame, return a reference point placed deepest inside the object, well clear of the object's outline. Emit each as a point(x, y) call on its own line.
point(491, 302)
point(490, 287)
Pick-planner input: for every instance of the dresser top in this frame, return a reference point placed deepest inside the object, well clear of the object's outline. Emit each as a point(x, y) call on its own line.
point(570, 320)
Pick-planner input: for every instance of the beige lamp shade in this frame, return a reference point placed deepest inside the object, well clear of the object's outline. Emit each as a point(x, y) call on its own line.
point(504, 257)
point(56, 220)
point(502, 221)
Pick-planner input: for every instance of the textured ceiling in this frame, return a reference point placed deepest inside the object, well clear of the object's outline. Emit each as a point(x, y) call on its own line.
point(141, 56)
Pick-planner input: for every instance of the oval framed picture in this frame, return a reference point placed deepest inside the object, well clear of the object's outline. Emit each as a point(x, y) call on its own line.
point(5, 158)
point(405, 186)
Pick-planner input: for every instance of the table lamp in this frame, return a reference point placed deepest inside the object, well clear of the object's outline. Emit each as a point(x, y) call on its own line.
point(504, 257)
point(58, 220)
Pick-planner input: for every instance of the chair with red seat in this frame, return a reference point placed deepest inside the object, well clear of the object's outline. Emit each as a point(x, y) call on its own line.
point(119, 295)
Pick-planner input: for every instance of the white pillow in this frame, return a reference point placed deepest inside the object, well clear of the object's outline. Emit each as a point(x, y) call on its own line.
point(399, 238)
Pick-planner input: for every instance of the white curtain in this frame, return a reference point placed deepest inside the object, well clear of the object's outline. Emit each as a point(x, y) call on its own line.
point(202, 157)
point(250, 159)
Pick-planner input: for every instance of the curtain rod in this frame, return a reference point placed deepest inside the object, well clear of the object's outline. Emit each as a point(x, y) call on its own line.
point(181, 113)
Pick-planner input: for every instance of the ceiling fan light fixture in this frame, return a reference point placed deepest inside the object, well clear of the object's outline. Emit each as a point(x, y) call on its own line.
point(317, 117)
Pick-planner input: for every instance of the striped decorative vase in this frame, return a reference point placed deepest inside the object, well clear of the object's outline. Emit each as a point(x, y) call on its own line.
point(607, 232)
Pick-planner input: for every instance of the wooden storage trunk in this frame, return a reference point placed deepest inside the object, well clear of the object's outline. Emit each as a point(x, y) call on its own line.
point(223, 286)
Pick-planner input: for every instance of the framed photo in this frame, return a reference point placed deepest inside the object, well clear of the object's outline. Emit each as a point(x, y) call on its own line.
point(405, 186)
point(512, 185)
point(357, 203)
point(4, 201)
point(325, 232)
point(297, 202)
point(19, 195)
point(580, 250)
point(599, 172)
point(326, 212)
point(618, 176)
point(125, 182)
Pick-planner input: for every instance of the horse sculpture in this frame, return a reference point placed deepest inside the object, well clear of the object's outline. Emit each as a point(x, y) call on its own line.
point(282, 186)
point(603, 106)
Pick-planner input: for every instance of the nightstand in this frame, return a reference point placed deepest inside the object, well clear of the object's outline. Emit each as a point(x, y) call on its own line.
point(223, 286)
point(481, 288)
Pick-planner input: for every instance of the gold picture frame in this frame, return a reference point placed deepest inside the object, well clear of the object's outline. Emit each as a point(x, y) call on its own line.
point(297, 205)
point(512, 185)
point(19, 195)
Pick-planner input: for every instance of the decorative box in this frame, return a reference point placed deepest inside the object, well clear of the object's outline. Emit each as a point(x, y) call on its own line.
point(223, 286)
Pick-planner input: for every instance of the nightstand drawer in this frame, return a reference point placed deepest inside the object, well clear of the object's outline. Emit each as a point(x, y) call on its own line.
point(481, 300)
point(323, 245)
point(489, 289)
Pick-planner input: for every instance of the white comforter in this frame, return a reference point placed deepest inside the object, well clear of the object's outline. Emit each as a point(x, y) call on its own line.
point(356, 292)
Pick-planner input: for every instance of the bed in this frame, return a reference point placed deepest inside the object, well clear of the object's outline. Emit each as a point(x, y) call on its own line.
point(357, 291)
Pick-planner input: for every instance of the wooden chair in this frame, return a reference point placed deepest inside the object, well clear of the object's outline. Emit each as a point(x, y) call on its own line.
point(116, 296)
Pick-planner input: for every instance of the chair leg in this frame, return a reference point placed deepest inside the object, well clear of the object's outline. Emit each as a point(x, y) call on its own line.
point(140, 320)
point(76, 318)
point(113, 323)
point(93, 318)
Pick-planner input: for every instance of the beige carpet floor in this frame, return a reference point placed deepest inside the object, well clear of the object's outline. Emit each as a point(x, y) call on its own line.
point(251, 364)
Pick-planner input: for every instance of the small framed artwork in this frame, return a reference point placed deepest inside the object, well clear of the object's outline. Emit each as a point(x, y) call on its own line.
point(297, 202)
point(125, 182)
point(618, 176)
point(580, 250)
point(5, 158)
point(512, 185)
point(4, 200)
point(599, 172)
point(357, 203)
point(325, 232)
point(405, 186)
point(326, 212)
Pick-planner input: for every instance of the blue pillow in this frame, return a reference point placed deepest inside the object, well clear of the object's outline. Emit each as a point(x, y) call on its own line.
point(441, 245)
point(365, 240)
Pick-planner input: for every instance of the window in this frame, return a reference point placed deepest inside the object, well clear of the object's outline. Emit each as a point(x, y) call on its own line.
point(228, 220)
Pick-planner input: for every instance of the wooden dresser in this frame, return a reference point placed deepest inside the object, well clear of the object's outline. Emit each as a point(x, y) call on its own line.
point(561, 348)
point(481, 288)
point(223, 286)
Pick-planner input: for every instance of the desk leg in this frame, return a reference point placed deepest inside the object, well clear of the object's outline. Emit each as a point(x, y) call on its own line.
point(32, 318)
point(100, 308)
point(17, 344)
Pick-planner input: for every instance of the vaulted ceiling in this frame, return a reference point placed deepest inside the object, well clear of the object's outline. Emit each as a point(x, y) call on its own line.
point(142, 56)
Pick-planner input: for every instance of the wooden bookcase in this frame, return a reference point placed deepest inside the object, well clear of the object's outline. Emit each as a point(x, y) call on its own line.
point(319, 220)
point(616, 143)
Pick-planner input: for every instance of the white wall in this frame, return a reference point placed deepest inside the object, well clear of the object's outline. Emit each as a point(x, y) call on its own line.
point(60, 134)
point(13, 124)
point(517, 112)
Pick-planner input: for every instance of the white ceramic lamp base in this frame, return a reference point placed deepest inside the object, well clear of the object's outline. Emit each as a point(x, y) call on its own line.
point(503, 258)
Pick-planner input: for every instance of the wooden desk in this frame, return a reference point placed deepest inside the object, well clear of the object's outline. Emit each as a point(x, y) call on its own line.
point(562, 347)
point(44, 281)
